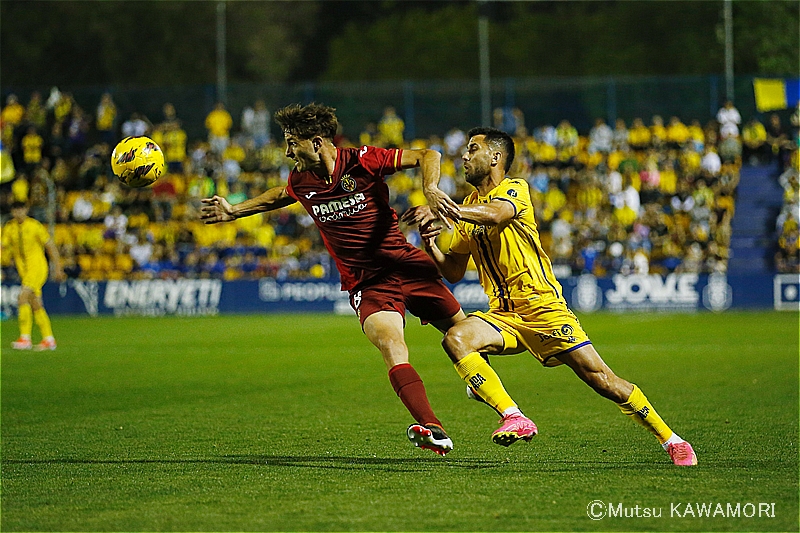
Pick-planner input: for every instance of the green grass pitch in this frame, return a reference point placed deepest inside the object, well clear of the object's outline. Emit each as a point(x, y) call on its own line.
point(288, 423)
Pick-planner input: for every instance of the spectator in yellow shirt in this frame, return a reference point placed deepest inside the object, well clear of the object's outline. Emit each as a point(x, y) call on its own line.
point(13, 111)
point(12, 117)
point(174, 145)
point(35, 113)
point(697, 136)
point(639, 135)
point(20, 188)
point(677, 133)
point(546, 154)
point(219, 124)
point(754, 137)
point(32, 144)
point(106, 118)
point(391, 128)
point(668, 184)
point(567, 137)
point(554, 198)
point(658, 133)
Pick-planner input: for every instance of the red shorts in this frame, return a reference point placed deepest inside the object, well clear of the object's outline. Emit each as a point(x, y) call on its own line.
point(426, 298)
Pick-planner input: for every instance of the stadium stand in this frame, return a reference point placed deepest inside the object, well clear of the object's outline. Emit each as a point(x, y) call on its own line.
point(654, 198)
point(787, 254)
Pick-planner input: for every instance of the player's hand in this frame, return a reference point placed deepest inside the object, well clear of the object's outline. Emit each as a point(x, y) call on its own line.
point(442, 206)
point(418, 215)
point(216, 209)
point(428, 232)
point(60, 276)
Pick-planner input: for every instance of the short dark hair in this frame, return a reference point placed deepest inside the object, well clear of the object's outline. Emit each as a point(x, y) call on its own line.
point(308, 121)
point(497, 140)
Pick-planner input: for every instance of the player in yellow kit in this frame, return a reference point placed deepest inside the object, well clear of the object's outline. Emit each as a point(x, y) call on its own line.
point(25, 240)
point(527, 311)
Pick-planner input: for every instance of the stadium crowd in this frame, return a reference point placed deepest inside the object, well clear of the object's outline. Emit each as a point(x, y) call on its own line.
point(644, 198)
point(787, 256)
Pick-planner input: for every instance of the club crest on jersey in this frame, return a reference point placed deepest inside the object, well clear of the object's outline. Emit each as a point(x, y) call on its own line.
point(348, 183)
point(512, 193)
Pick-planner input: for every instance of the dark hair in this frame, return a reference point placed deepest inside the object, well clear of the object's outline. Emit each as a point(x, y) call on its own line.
point(497, 140)
point(308, 121)
point(16, 204)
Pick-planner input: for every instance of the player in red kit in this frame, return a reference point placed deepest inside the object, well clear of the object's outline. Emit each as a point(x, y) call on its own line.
point(343, 190)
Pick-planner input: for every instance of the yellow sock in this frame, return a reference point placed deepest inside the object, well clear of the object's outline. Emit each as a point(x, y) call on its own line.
point(640, 410)
point(479, 375)
point(43, 321)
point(25, 321)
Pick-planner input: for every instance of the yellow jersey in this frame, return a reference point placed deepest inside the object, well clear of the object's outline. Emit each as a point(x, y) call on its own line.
point(513, 268)
point(174, 145)
point(639, 136)
point(219, 123)
point(25, 242)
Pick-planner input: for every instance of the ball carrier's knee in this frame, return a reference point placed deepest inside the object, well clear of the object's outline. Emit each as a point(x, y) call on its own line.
point(455, 344)
point(471, 335)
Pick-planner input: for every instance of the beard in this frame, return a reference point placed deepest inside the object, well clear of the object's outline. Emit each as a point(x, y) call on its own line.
point(476, 175)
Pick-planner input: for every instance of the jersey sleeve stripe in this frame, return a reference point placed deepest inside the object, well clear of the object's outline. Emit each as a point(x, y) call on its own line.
point(398, 158)
point(509, 201)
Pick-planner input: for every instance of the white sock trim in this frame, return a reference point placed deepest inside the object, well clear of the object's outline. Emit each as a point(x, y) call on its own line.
point(674, 439)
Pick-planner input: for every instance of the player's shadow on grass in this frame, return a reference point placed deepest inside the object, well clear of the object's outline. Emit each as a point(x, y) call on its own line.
point(337, 462)
point(386, 464)
point(418, 464)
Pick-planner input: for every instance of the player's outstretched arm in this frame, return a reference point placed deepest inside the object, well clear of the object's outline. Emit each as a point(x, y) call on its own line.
point(428, 160)
point(492, 214)
point(218, 209)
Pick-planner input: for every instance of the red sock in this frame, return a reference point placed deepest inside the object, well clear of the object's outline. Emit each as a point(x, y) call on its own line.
point(408, 386)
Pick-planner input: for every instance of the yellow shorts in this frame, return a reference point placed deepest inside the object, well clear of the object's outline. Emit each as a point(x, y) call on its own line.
point(545, 329)
point(34, 279)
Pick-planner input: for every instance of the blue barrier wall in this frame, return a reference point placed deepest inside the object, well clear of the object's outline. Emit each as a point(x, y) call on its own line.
point(584, 294)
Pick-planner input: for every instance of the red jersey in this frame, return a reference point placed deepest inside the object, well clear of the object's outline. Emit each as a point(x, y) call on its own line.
point(352, 211)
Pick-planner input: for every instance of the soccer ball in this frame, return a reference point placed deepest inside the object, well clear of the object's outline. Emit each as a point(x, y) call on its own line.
point(137, 161)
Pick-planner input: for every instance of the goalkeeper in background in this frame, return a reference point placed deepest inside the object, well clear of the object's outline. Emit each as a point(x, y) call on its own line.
point(25, 240)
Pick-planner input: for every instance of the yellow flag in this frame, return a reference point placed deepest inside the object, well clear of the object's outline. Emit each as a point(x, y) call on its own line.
point(770, 94)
